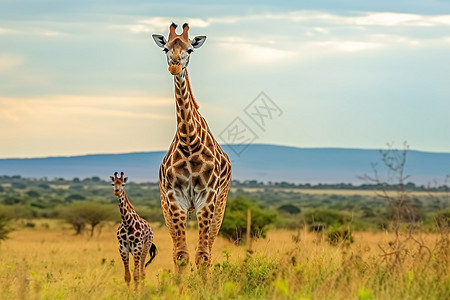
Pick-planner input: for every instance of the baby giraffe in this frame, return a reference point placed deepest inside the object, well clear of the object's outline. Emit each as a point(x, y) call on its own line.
point(134, 234)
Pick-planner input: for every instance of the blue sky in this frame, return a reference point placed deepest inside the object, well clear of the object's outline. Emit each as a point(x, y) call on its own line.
point(79, 77)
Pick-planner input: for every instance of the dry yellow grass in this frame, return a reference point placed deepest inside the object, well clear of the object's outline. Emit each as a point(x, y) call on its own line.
point(48, 262)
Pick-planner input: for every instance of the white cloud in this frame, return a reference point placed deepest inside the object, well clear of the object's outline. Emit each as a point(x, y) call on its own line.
point(9, 61)
point(4, 30)
point(161, 24)
point(366, 19)
point(346, 46)
point(265, 51)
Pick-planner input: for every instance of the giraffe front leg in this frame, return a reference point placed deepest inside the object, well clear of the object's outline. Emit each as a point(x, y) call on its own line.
point(125, 258)
point(204, 217)
point(136, 273)
point(176, 218)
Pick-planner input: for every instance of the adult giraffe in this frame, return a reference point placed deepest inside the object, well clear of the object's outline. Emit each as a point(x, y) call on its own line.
point(196, 172)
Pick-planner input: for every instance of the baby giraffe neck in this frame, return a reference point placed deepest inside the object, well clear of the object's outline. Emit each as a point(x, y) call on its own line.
point(126, 208)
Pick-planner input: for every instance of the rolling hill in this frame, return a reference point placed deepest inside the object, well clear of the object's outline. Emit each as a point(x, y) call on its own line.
point(257, 162)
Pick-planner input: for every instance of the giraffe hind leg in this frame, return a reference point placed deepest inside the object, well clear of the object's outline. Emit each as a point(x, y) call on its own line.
point(219, 212)
point(204, 218)
point(144, 252)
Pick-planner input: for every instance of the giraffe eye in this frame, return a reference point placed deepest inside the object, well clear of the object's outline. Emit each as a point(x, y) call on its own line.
point(112, 184)
point(165, 50)
point(190, 50)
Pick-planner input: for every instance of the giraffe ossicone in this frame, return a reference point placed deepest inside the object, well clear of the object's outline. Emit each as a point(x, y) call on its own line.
point(196, 172)
point(134, 234)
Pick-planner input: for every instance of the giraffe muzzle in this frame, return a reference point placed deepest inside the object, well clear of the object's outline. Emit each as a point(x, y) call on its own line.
point(175, 69)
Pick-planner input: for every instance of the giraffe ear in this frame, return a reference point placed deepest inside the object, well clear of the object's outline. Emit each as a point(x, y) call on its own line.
point(125, 180)
point(112, 178)
point(160, 40)
point(198, 41)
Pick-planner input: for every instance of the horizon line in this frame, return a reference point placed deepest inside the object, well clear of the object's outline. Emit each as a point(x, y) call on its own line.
point(224, 145)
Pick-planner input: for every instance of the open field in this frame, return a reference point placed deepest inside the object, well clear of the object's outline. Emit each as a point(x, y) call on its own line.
point(49, 262)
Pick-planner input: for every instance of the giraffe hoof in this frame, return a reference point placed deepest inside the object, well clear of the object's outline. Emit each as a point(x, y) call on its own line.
point(182, 259)
point(202, 260)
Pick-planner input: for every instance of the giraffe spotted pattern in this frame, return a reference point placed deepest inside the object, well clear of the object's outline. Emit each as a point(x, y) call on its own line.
point(195, 174)
point(135, 235)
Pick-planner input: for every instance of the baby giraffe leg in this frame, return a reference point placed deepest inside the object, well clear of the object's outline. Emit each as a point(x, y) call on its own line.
point(145, 250)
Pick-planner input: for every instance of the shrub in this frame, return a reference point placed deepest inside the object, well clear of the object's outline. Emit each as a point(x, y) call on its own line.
point(235, 221)
point(33, 194)
point(290, 209)
point(327, 217)
point(443, 219)
point(75, 197)
point(6, 215)
point(341, 235)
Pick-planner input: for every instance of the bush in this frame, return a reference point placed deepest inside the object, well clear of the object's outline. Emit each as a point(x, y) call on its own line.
point(6, 215)
point(18, 185)
point(290, 209)
point(75, 197)
point(33, 194)
point(443, 220)
point(235, 220)
point(341, 235)
point(327, 217)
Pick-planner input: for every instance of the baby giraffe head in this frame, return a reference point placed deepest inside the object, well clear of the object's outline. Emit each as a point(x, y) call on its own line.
point(118, 183)
point(178, 48)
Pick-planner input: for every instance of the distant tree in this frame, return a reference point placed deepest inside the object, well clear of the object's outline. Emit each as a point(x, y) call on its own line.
point(235, 220)
point(11, 200)
point(93, 213)
point(33, 194)
point(75, 197)
point(44, 186)
point(18, 185)
point(6, 214)
point(71, 216)
point(289, 208)
point(1, 189)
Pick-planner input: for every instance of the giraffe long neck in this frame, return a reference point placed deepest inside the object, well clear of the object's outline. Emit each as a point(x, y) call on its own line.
point(188, 118)
point(126, 208)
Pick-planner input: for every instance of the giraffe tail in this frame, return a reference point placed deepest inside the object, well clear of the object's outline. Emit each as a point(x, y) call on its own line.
point(152, 253)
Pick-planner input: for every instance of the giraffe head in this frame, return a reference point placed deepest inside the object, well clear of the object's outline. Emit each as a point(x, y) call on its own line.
point(178, 47)
point(118, 183)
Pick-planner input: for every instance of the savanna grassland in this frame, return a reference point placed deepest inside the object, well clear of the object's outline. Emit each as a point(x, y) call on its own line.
point(50, 262)
point(58, 241)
